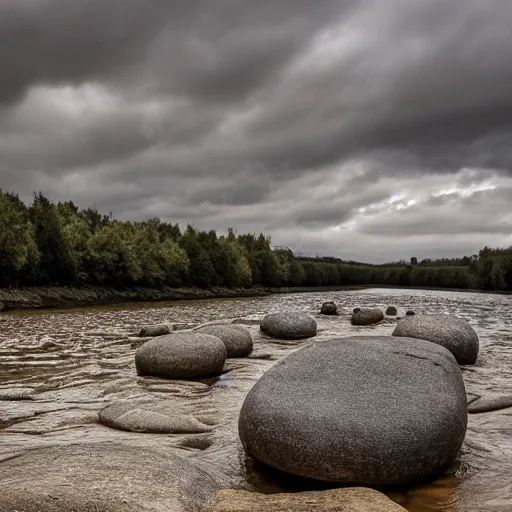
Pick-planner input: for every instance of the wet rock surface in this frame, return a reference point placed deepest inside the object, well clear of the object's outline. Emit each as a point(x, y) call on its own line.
point(181, 356)
point(449, 331)
point(490, 403)
point(92, 366)
point(336, 500)
point(150, 418)
point(289, 326)
point(375, 396)
point(237, 339)
point(104, 477)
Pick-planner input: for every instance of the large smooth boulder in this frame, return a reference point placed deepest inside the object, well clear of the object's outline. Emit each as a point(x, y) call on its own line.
point(238, 339)
point(352, 499)
point(150, 419)
point(289, 326)
point(152, 331)
point(367, 316)
point(181, 356)
point(360, 410)
point(450, 331)
point(106, 477)
point(329, 308)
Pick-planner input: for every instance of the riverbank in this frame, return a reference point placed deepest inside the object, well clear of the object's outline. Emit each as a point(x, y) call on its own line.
point(57, 297)
point(64, 297)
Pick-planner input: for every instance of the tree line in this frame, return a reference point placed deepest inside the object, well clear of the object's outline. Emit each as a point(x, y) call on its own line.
point(58, 244)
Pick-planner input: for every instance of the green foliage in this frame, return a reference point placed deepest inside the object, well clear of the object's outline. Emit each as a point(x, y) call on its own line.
point(18, 248)
point(60, 244)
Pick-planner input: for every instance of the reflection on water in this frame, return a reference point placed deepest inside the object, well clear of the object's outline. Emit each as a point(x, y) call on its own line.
point(68, 365)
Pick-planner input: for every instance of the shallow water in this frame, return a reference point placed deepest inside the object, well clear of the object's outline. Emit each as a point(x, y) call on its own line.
point(70, 364)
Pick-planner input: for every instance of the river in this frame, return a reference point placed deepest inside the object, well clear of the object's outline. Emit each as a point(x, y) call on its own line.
point(71, 364)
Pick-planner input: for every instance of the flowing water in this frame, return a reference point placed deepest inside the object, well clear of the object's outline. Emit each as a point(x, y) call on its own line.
point(58, 369)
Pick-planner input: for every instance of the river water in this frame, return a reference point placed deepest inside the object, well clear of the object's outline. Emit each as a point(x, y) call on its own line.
point(68, 365)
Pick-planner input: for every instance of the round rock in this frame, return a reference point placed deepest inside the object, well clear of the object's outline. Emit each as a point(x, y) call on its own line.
point(152, 331)
point(391, 311)
point(289, 326)
point(359, 410)
point(367, 316)
point(134, 417)
point(410, 312)
point(237, 339)
point(329, 308)
point(450, 331)
point(181, 355)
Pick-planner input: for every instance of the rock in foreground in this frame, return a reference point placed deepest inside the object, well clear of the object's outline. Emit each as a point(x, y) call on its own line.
point(356, 499)
point(449, 331)
point(289, 326)
point(237, 339)
point(181, 356)
point(329, 308)
point(146, 418)
point(360, 410)
point(367, 316)
point(106, 477)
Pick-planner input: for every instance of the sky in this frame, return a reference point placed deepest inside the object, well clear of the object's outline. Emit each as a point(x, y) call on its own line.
point(373, 130)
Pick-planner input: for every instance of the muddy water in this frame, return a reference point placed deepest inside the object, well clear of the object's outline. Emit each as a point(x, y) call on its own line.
point(59, 369)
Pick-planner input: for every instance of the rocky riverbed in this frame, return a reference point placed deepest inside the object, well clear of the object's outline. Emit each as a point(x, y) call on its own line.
point(58, 370)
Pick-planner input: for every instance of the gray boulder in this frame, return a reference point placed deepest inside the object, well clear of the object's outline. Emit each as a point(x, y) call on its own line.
point(329, 308)
point(133, 417)
point(289, 326)
point(238, 339)
point(152, 331)
point(391, 311)
point(367, 316)
point(450, 331)
point(181, 355)
point(106, 477)
point(359, 410)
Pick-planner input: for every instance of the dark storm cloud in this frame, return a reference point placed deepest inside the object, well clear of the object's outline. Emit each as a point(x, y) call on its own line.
point(295, 116)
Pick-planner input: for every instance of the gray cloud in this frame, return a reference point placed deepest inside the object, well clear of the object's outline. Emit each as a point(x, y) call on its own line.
point(301, 118)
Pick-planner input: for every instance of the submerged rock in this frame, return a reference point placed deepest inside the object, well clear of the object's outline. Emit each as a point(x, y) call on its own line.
point(360, 410)
point(152, 331)
point(181, 355)
point(367, 316)
point(391, 311)
point(289, 326)
point(106, 477)
point(16, 394)
point(449, 331)
point(409, 313)
point(237, 339)
point(489, 403)
point(329, 308)
point(134, 417)
point(355, 499)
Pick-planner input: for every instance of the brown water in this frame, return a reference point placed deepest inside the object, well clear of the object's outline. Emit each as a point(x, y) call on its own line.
point(71, 364)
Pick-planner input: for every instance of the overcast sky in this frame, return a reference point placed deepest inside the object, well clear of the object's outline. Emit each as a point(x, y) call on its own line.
point(367, 129)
